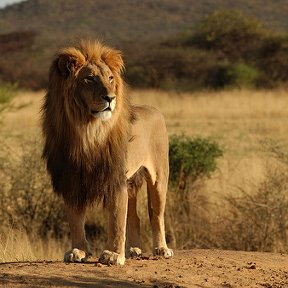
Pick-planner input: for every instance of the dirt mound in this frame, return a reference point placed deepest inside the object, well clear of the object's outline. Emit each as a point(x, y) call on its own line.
point(191, 268)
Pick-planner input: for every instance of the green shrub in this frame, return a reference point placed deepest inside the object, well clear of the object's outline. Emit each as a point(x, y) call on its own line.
point(188, 210)
point(192, 158)
point(240, 75)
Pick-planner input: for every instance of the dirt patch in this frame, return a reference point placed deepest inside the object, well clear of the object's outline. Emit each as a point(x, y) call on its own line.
point(193, 268)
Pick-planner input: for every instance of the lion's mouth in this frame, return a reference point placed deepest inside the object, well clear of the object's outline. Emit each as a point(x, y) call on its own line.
point(95, 112)
point(104, 114)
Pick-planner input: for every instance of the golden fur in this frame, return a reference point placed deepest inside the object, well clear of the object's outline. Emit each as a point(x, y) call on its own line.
point(100, 147)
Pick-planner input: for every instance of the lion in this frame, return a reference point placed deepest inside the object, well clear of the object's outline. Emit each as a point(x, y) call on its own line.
point(99, 147)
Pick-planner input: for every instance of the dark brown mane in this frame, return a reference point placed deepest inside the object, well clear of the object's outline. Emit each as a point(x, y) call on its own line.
point(86, 159)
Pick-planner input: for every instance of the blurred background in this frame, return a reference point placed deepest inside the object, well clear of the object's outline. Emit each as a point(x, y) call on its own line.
point(188, 44)
point(216, 69)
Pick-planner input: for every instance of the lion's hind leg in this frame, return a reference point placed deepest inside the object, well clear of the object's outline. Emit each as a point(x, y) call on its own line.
point(133, 221)
point(156, 205)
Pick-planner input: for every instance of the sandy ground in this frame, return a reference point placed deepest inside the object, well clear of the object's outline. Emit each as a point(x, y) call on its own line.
point(193, 268)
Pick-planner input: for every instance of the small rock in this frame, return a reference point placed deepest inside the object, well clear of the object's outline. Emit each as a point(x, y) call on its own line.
point(251, 265)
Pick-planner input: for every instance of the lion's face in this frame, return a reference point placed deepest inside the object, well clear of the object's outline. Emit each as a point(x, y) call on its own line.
point(96, 90)
point(91, 80)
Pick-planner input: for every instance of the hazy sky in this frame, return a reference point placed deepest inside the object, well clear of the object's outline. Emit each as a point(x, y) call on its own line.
point(3, 3)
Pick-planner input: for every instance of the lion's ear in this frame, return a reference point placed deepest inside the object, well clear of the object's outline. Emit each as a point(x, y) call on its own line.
point(69, 62)
point(113, 58)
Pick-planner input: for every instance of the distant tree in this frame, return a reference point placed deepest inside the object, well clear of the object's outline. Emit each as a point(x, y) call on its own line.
point(231, 32)
point(273, 61)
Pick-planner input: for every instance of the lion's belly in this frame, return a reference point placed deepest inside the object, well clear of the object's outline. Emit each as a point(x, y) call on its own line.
point(136, 158)
point(142, 149)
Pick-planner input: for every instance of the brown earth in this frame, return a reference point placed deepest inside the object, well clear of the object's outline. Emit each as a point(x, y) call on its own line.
point(191, 268)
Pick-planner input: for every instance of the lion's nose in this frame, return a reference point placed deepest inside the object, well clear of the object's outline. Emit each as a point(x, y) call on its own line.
point(108, 98)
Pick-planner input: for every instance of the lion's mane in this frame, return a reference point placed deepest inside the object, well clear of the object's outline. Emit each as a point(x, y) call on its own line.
point(85, 158)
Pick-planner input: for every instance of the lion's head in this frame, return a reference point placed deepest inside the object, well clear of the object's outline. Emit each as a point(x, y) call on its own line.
point(86, 96)
point(86, 119)
point(91, 73)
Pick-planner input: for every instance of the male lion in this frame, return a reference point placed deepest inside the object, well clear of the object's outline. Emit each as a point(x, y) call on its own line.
point(100, 147)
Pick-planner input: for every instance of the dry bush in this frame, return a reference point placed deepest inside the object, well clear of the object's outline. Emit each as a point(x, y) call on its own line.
point(33, 225)
point(254, 221)
point(188, 221)
point(17, 245)
point(258, 221)
point(28, 202)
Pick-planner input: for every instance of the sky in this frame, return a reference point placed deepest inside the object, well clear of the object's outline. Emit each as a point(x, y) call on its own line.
point(4, 3)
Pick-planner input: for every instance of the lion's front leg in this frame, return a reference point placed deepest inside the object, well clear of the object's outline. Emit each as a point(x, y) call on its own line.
point(117, 210)
point(80, 248)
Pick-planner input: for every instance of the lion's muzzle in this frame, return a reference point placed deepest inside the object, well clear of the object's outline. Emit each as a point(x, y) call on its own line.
point(108, 107)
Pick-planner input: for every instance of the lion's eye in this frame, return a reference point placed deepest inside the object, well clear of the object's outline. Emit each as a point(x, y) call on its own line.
point(111, 78)
point(89, 78)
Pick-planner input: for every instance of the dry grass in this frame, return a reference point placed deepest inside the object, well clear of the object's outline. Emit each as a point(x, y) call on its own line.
point(240, 121)
point(16, 245)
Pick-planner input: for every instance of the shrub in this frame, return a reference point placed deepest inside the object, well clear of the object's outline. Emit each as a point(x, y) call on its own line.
point(191, 161)
point(258, 221)
point(240, 75)
point(29, 203)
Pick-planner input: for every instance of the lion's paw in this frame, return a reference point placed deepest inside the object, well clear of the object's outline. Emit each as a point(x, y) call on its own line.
point(135, 252)
point(111, 258)
point(165, 252)
point(75, 255)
